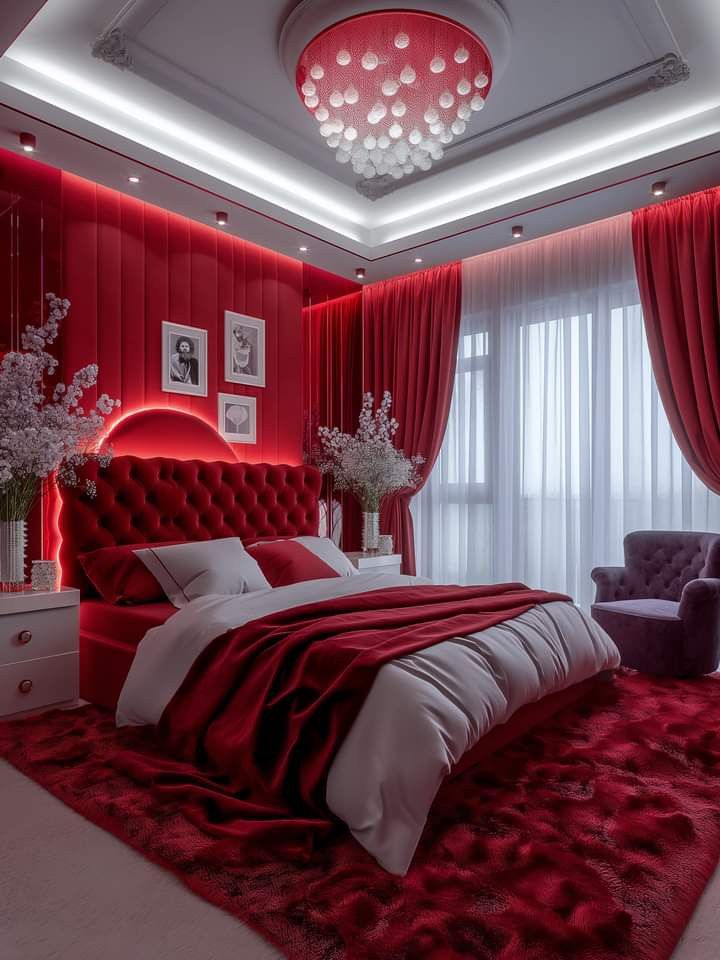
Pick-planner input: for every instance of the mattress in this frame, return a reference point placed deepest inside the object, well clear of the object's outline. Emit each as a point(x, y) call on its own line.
point(109, 636)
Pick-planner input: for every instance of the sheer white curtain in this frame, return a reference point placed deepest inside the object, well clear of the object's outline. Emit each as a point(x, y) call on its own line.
point(557, 444)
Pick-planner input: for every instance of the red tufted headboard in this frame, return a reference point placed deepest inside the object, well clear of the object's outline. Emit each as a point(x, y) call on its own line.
point(143, 500)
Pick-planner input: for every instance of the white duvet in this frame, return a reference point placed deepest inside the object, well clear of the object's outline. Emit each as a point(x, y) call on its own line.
point(423, 712)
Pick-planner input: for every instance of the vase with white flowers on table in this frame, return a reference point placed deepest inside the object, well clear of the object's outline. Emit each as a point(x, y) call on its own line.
point(368, 464)
point(42, 438)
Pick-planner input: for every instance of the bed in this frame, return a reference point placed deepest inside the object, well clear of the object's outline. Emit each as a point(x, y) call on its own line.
point(141, 500)
point(424, 716)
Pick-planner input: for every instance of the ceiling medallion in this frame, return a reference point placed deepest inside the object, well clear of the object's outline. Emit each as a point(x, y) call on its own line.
point(391, 89)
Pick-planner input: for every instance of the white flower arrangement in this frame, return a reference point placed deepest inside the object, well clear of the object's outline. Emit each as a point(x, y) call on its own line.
point(367, 463)
point(41, 436)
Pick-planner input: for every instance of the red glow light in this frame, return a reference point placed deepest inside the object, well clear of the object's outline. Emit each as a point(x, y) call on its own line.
point(390, 89)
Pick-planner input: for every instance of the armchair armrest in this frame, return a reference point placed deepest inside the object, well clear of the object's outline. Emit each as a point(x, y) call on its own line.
point(610, 583)
point(700, 612)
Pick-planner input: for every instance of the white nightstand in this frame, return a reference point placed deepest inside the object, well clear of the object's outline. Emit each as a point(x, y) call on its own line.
point(38, 649)
point(375, 562)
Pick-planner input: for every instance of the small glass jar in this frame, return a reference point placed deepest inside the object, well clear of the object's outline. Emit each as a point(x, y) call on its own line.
point(44, 575)
point(385, 544)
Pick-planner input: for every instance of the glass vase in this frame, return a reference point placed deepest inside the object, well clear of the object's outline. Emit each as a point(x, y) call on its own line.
point(370, 532)
point(12, 555)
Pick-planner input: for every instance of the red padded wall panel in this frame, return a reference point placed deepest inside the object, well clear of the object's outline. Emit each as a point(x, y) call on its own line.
point(319, 285)
point(79, 343)
point(268, 292)
point(29, 266)
point(128, 266)
point(333, 385)
point(137, 329)
point(109, 277)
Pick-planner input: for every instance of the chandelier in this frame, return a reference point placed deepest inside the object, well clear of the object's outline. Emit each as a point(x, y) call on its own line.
point(391, 89)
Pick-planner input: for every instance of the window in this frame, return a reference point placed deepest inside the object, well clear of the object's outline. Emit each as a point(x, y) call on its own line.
point(557, 443)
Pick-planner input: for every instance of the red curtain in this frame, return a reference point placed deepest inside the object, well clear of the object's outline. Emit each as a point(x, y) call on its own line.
point(333, 386)
point(677, 255)
point(410, 327)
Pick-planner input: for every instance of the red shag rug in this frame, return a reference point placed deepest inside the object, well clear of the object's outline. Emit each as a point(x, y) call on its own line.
point(591, 838)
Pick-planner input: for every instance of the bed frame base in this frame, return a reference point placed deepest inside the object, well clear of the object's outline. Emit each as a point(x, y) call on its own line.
point(527, 717)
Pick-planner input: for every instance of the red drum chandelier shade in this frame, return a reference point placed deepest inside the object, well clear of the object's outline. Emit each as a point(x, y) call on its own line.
point(391, 89)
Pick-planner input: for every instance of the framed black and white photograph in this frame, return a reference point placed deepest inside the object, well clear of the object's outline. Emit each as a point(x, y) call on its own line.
point(244, 349)
point(184, 359)
point(237, 418)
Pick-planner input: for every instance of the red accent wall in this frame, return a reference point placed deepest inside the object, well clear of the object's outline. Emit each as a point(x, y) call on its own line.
point(333, 385)
point(320, 286)
point(128, 266)
point(29, 242)
point(166, 432)
point(29, 263)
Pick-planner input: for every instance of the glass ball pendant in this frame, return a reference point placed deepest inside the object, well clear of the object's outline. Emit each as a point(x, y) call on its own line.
point(390, 89)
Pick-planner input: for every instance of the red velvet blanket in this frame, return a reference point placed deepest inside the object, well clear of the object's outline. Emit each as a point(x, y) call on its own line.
point(260, 716)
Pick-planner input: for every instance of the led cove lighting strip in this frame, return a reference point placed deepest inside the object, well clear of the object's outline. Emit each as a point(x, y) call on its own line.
point(294, 189)
point(186, 137)
point(557, 160)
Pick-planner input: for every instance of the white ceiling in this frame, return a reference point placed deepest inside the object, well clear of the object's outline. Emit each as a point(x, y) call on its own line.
point(209, 118)
point(176, 49)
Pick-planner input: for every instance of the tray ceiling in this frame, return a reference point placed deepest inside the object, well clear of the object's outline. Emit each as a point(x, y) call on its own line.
point(588, 91)
point(559, 52)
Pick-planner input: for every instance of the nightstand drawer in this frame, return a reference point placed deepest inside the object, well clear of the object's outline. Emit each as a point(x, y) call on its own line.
point(38, 683)
point(33, 634)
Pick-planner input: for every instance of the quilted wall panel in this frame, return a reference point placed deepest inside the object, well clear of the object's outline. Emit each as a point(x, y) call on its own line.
point(128, 266)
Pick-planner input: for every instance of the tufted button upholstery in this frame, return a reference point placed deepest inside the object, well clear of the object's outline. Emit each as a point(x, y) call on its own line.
point(664, 570)
point(659, 562)
point(161, 499)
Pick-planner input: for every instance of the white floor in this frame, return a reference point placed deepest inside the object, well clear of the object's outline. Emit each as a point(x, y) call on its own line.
point(70, 891)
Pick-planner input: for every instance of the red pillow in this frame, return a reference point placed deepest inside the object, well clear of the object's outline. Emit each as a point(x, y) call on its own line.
point(284, 562)
point(119, 576)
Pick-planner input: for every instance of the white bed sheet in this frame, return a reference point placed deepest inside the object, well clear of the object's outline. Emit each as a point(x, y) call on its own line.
point(423, 712)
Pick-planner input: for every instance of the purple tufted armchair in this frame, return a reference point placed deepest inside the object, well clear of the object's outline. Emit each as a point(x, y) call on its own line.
point(662, 608)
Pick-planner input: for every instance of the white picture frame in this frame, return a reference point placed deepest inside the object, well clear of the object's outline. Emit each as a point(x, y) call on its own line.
point(179, 373)
point(233, 426)
point(244, 349)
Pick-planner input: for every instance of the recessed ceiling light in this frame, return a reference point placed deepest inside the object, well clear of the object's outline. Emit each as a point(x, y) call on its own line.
point(28, 141)
point(518, 231)
point(302, 249)
point(133, 179)
point(659, 189)
point(221, 218)
point(360, 273)
point(418, 260)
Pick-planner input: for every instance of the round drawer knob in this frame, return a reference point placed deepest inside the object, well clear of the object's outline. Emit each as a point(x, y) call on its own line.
point(25, 686)
point(25, 636)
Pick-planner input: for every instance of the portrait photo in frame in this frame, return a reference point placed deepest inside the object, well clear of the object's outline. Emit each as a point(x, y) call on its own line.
point(237, 418)
point(244, 349)
point(184, 359)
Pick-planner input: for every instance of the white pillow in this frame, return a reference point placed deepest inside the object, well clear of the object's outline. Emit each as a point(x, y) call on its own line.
point(203, 567)
point(333, 556)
